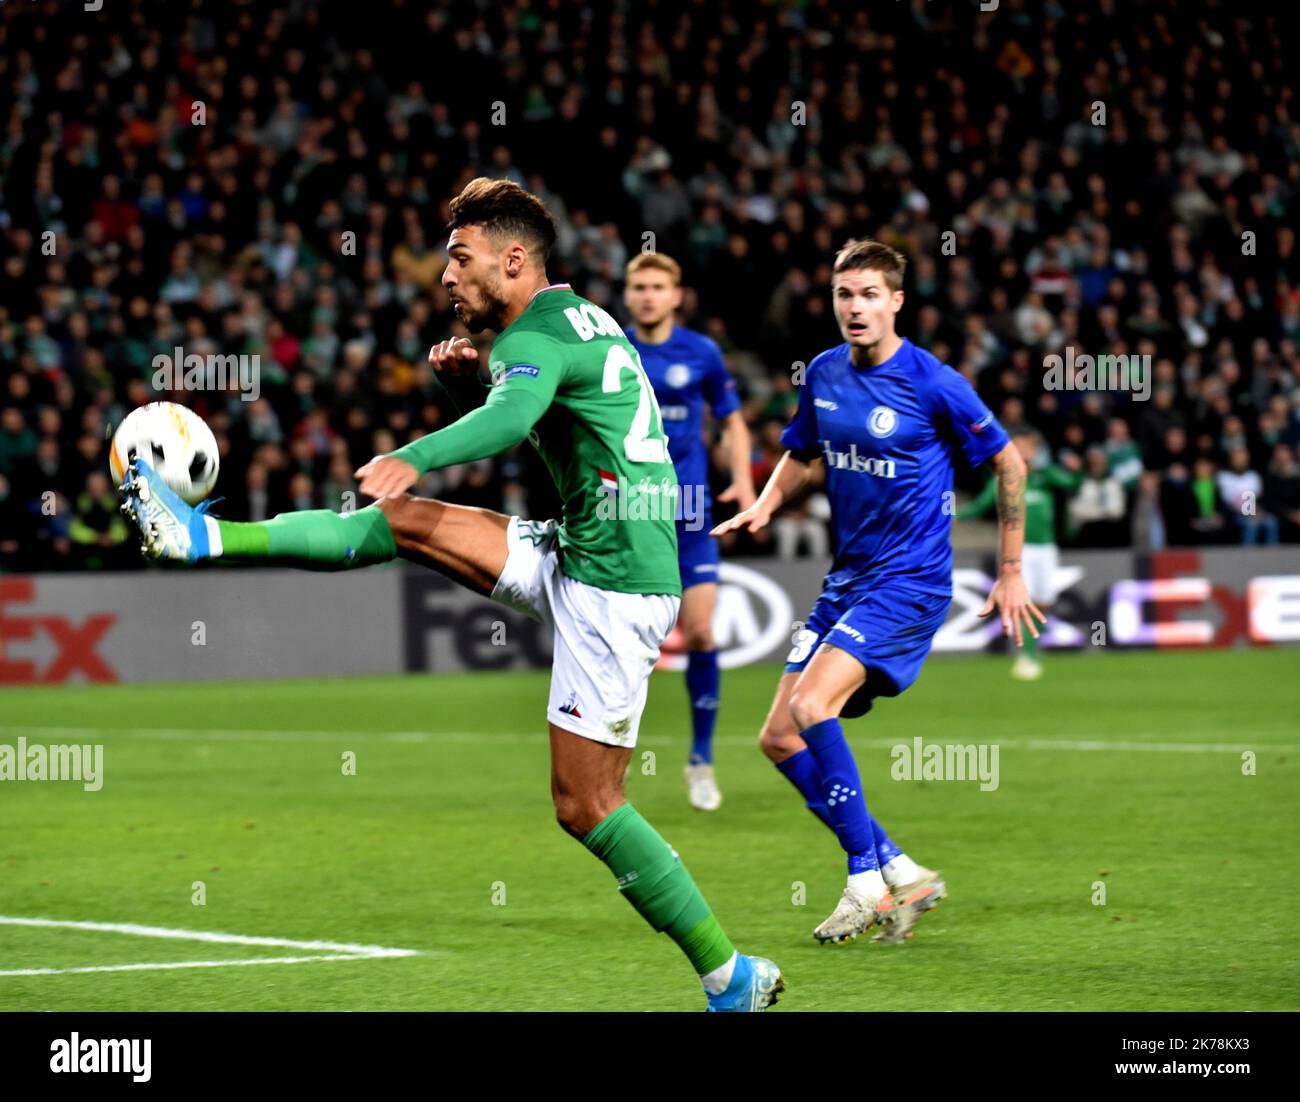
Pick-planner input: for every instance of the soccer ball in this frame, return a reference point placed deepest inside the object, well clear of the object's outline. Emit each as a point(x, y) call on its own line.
point(176, 442)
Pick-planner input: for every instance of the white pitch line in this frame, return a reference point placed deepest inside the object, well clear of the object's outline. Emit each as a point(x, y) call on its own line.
point(231, 734)
point(1086, 745)
point(336, 950)
point(131, 929)
point(179, 964)
point(1158, 747)
point(242, 734)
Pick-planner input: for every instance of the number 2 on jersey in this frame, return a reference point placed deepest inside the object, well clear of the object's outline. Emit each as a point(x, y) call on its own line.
point(638, 445)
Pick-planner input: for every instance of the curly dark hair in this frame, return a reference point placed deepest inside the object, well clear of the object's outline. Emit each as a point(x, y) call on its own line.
point(505, 212)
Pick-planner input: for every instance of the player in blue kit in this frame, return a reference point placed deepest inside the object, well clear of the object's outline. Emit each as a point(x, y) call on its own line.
point(687, 374)
point(886, 419)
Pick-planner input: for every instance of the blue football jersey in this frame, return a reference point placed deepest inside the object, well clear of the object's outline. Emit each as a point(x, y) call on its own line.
point(887, 436)
point(687, 372)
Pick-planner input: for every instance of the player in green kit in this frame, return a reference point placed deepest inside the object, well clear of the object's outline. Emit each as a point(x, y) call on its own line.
point(1041, 557)
point(604, 578)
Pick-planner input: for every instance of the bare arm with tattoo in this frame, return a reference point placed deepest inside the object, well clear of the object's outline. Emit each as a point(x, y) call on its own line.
point(1009, 595)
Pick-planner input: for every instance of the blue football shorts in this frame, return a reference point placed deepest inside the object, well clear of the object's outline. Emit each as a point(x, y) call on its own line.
point(888, 628)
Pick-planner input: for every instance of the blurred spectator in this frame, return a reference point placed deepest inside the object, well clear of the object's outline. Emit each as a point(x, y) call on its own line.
point(1208, 519)
point(1241, 490)
point(17, 441)
point(1095, 511)
point(16, 528)
point(303, 222)
point(97, 529)
point(1122, 455)
point(1148, 527)
point(1282, 492)
point(803, 526)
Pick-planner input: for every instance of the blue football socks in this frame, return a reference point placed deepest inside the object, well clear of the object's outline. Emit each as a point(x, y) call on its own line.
point(702, 686)
point(842, 790)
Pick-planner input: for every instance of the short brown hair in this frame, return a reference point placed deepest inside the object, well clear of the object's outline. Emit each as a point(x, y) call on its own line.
point(505, 210)
point(875, 257)
point(656, 262)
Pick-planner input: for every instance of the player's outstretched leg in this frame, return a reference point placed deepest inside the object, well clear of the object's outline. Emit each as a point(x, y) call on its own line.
point(703, 690)
point(587, 787)
point(315, 539)
point(468, 545)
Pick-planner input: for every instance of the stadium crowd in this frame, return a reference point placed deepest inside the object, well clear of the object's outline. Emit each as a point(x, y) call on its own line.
point(271, 181)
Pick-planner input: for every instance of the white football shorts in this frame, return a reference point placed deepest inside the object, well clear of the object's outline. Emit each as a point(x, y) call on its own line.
point(606, 643)
point(1040, 562)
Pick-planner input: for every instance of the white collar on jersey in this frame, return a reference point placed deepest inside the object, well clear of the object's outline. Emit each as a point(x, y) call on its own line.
point(550, 287)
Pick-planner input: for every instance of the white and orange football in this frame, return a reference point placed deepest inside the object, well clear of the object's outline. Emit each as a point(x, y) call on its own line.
point(176, 442)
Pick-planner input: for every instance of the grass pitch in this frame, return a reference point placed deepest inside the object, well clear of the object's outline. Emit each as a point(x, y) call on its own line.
point(1122, 770)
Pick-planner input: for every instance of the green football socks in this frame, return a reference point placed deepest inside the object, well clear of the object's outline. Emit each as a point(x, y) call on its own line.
point(316, 539)
point(656, 883)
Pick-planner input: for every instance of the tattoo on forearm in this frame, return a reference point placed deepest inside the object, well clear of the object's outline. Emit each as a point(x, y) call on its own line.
point(1011, 495)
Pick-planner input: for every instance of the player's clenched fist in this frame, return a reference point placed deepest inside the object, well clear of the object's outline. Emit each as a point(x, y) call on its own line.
point(386, 475)
point(455, 356)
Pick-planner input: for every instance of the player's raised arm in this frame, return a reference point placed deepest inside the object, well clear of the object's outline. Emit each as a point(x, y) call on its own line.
point(793, 470)
point(511, 410)
point(1009, 595)
point(786, 481)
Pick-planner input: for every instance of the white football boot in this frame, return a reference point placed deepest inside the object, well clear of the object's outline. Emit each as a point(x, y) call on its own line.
point(909, 902)
point(853, 915)
point(703, 788)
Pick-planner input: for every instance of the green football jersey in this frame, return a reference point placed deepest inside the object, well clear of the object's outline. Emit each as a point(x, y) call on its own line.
point(601, 437)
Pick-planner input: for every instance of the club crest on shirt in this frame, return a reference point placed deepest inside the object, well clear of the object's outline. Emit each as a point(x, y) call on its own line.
point(882, 421)
point(677, 375)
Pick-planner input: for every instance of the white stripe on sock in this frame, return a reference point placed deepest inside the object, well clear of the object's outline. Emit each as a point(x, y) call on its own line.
point(717, 981)
point(867, 886)
point(214, 536)
point(901, 870)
